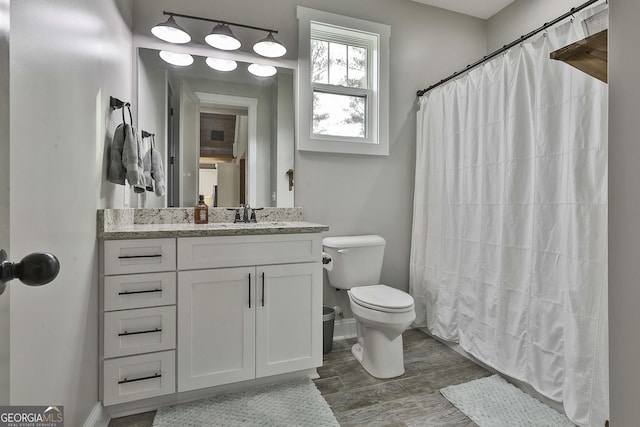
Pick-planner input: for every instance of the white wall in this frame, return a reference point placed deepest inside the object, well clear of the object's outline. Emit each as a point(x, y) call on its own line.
point(67, 57)
point(624, 211)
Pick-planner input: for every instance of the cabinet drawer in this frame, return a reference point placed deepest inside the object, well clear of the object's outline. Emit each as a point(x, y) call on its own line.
point(235, 251)
point(139, 290)
point(139, 256)
point(139, 331)
point(139, 377)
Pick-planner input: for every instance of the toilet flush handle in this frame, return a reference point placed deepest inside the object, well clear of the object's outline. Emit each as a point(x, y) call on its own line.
point(343, 251)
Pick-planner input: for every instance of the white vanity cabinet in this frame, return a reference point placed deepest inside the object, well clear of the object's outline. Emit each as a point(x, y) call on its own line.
point(187, 313)
point(255, 312)
point(139, 319)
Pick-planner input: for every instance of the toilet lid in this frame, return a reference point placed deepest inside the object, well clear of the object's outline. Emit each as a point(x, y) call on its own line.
point(381, 297)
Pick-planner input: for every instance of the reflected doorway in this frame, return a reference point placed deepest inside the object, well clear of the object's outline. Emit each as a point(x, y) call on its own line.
point(222, 155)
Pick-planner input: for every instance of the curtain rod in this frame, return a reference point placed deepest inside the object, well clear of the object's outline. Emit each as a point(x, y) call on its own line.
point(509, 46)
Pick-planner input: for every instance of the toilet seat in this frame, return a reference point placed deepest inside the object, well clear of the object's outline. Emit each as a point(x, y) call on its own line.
point(382, 298)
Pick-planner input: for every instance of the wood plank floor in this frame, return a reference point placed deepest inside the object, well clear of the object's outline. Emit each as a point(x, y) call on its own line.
point(358, 399)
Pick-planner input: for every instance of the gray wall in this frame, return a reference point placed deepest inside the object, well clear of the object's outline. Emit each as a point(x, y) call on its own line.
point(67, 58)
point(523, 16)
point(359, 194)
point(373, 195)
point(151, 105)
point(5, 317)
point(624, 211)
point(60, 89)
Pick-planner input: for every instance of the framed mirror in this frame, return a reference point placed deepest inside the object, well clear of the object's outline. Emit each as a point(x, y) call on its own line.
point(228, 135)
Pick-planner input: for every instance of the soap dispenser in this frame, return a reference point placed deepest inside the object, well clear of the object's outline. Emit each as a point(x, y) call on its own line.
point(201, 211)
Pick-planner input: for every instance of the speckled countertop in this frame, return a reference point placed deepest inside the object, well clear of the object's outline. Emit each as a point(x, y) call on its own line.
point(178, 222)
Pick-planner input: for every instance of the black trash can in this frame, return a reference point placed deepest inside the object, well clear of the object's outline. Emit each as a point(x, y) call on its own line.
point(328, 319)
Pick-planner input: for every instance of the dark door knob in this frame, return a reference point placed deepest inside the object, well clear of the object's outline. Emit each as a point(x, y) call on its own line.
point(35, 269)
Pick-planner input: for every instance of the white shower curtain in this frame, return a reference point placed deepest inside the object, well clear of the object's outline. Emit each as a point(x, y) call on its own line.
point(509, 244)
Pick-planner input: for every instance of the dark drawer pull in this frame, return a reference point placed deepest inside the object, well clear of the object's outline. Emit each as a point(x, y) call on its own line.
point(150, 377)
point(150, 331)
point(139, 256)
point(139, 292)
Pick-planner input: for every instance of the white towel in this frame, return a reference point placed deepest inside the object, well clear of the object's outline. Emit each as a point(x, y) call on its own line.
point(157, 172)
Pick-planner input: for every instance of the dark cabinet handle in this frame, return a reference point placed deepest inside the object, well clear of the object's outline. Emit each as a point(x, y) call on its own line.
point(140, 256)
point(139, 292)
point(35, 269)
point(149, 331)
point(249, 290)
point(150, 377)
point(263, 288)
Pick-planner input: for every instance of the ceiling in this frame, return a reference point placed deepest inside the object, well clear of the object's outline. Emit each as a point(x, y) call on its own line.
point(479, 8)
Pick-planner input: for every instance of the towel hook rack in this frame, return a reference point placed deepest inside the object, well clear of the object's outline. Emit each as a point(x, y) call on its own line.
point(115, 103)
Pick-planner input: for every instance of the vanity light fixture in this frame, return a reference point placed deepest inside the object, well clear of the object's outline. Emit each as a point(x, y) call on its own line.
point(171, 32)
point(260, 70)
point(178, 59)
point(221, 37)
point(269, 47)
point(221, 64)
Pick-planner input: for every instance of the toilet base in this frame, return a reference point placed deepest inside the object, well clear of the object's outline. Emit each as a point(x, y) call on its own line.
point(379, 356)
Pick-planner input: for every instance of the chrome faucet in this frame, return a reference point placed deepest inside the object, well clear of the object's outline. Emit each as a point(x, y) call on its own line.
point(238, 216)
point(245, 214)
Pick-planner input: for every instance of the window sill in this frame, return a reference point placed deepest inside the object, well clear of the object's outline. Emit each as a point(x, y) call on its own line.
point(342, 147)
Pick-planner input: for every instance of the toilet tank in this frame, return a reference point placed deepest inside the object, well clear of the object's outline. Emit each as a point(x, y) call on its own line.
point(357, 260)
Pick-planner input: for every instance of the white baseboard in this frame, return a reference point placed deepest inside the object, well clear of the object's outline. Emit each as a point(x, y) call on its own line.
point(98, 417)
point(345, 328)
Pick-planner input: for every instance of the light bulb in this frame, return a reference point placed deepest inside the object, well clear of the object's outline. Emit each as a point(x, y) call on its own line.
point(174, 58)
point(260, 70)
point(221, 64)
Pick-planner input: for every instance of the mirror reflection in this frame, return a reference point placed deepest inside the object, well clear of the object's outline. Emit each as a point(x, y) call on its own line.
point(228, 135)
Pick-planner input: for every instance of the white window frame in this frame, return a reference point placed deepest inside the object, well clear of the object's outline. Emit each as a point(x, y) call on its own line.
point(376, 36)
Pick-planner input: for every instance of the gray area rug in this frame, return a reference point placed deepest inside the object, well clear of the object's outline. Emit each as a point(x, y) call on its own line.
point(295, 403)
point(493, 402)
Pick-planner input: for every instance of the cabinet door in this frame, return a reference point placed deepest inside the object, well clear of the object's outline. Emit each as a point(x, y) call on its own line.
point(288, 318)
point(216, 327)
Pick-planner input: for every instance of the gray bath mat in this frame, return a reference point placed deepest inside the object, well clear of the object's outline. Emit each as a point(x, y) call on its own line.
point(296, 403)
point(493, 402)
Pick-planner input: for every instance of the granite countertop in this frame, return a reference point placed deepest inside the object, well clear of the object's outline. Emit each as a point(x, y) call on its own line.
point(178, 222)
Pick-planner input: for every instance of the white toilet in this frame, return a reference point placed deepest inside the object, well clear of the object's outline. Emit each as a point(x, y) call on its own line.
point(382, 313)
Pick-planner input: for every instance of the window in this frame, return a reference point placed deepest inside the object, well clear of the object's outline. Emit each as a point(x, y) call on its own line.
point(343, 84)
